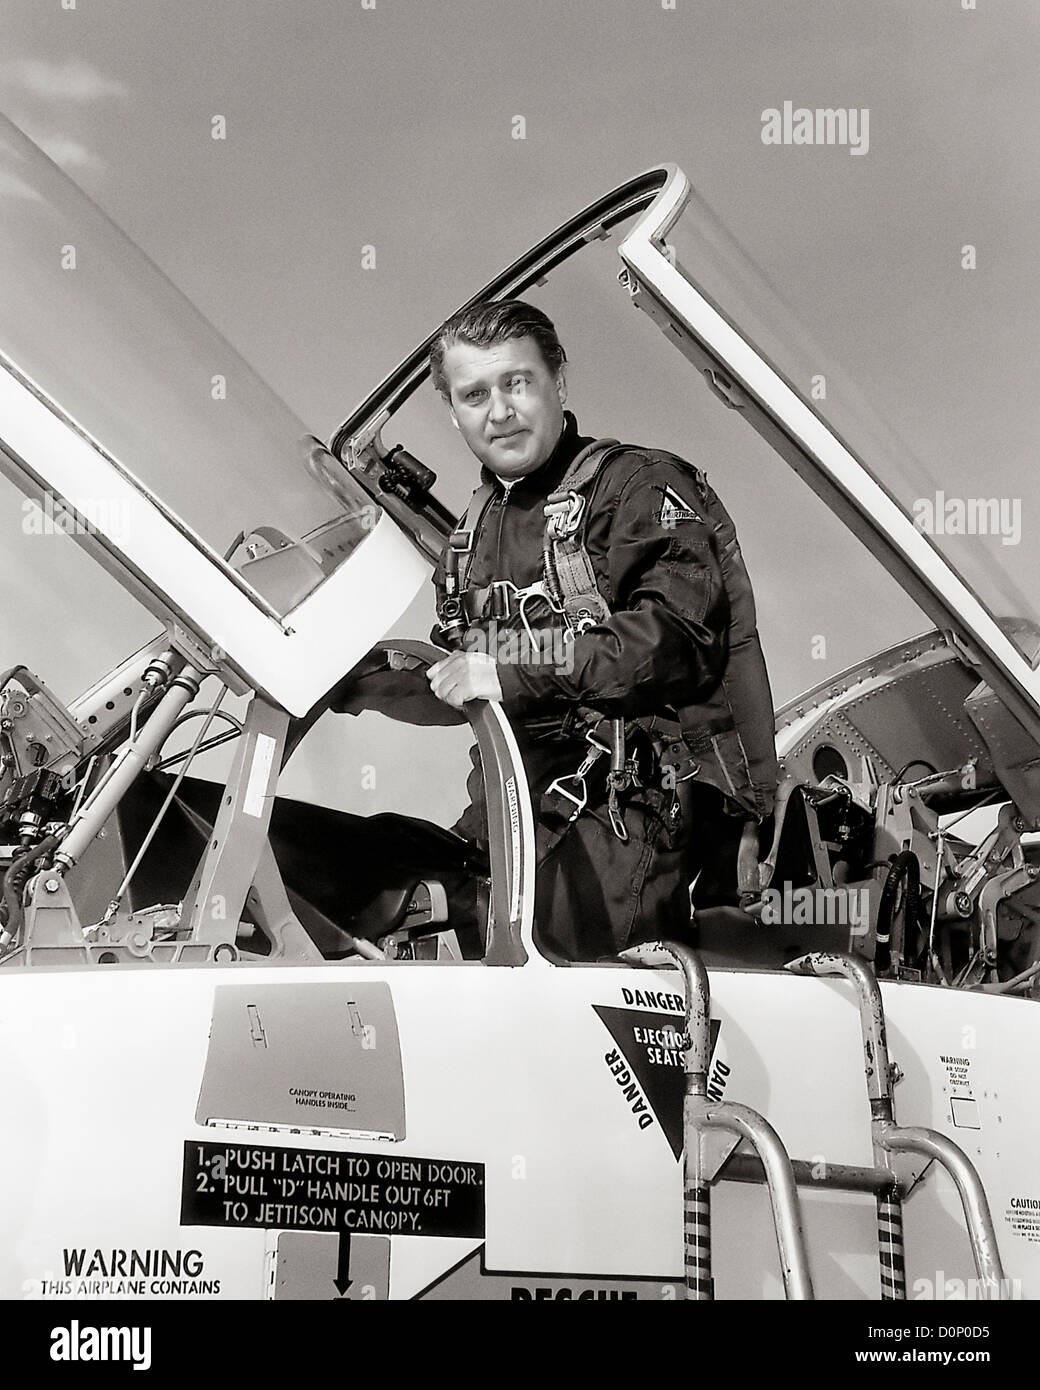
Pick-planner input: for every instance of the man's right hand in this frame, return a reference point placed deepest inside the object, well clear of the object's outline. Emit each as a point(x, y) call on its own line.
point(465, 676)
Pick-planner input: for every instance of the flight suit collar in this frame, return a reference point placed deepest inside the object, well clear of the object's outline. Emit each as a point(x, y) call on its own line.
point(545, 479)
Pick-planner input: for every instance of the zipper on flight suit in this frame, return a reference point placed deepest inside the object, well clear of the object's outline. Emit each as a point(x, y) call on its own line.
point(507, 487)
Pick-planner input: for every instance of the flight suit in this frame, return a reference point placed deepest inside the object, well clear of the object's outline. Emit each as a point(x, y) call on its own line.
point(678, 657)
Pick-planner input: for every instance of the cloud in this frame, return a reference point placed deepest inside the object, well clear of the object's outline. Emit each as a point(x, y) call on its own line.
point(73, 81)
point(43, 97)
point(12, 187)
point(69, 154)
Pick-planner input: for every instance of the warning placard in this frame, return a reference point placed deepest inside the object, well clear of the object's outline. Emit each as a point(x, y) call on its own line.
point(1023, 1218)
point(964, 1107)
point(254, 1186)
point(958, 1072)
point(648, 1062)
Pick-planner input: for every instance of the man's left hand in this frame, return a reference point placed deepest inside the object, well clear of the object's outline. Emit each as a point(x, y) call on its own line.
point(465, 676)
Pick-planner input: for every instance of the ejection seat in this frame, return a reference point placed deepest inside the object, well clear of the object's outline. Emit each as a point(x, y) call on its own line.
point(347, 877)
point(732, 934)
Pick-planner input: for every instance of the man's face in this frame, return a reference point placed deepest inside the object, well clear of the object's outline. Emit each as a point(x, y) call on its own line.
point(506, 402)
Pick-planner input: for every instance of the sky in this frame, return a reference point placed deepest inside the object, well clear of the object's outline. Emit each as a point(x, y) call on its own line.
point(391, 124)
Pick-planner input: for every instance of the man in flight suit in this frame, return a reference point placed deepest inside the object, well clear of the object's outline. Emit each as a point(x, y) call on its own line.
point(669, 679)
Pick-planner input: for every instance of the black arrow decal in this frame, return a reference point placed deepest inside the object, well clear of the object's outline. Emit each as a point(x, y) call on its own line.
point(343, 1280)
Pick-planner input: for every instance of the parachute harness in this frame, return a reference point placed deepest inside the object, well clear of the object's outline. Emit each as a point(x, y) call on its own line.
point(570, 589)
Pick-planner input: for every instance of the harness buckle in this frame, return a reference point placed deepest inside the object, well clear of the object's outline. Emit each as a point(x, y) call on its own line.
point(461, 541)
point(596, 750)
point(502, 596)
point(557, 787)
point(563, 512)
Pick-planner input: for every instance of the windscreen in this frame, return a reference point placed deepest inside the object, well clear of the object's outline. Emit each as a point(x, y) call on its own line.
point(118, 350)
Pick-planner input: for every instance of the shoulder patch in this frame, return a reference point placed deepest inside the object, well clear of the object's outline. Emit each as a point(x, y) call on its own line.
point(675, 508)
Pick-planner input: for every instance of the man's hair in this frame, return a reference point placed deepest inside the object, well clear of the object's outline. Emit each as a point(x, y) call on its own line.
point(483, 325)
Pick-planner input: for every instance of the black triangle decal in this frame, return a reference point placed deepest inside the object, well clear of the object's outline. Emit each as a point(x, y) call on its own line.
point(649, 1043)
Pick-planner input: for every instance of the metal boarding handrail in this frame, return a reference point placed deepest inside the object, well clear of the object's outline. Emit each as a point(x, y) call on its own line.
point(701, 1115)
point(888, 1137)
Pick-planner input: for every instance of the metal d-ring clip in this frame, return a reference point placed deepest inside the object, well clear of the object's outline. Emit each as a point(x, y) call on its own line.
point(524, 596)
point(617, 822)
point(596, 751)
point(694, 769)
point(579, 802)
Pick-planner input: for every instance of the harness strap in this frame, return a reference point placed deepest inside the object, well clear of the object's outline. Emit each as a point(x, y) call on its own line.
point(749, 881)
point(586, 465)
point(568, 570)
point(571, 579)
point(570, 575)
point(463, 538)
point(452, 613)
